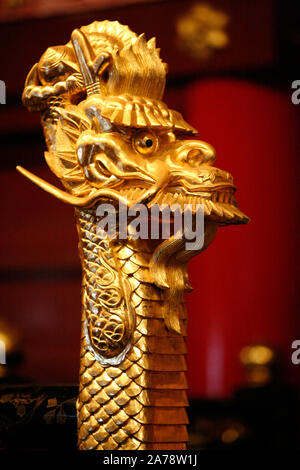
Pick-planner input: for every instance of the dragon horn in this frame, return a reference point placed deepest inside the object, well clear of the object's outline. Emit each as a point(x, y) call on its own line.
point(85, 201)
point(88, 201)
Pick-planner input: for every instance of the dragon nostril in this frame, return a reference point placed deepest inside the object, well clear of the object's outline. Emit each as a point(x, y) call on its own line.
point(194, 156)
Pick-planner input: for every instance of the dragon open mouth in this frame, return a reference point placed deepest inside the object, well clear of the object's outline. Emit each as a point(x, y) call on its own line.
point(219, 204)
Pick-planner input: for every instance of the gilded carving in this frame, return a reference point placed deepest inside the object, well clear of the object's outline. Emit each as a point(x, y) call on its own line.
point(110, 139)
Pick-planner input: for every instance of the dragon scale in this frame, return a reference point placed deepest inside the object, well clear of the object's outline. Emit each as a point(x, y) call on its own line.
point(140, 404)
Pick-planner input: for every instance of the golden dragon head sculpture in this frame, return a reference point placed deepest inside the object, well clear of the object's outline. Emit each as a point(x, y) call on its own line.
point(109, 136)
point(108, 133)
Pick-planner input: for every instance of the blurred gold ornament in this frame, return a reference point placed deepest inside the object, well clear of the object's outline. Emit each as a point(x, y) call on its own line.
point(10, 349)
point(111, 139)
point(201, 31)
point(233, 432)
point(258, 360)
point(257, 354)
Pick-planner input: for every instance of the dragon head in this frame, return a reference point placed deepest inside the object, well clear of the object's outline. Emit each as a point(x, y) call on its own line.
point(109, 135)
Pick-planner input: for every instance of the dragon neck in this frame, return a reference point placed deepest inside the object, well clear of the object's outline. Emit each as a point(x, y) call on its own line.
point(132, 374)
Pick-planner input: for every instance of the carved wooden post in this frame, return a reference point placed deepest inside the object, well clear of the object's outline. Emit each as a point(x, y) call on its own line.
point(112, 141)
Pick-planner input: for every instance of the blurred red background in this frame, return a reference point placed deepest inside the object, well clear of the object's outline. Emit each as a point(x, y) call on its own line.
point(246, 282)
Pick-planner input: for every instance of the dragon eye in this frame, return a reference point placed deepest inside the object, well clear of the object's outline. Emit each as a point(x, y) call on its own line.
point(145, 142)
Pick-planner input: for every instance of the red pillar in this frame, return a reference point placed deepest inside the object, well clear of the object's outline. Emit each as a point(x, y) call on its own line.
point(245, 283)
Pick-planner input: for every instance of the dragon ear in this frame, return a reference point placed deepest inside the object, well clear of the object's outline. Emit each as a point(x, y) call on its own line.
point(91, 67)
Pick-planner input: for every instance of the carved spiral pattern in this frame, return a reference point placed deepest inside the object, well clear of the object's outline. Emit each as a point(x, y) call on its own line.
point(103, 300)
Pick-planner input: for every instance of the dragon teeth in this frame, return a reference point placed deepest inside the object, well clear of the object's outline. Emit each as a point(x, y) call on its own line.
point(228, 212)
point(175, 197)
point(158, 199)
point(207, 208)
point(190, 201)
point(167, 199)
point(222, 203)
point(180, 200)
point(217, 209)
point(222, 197)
